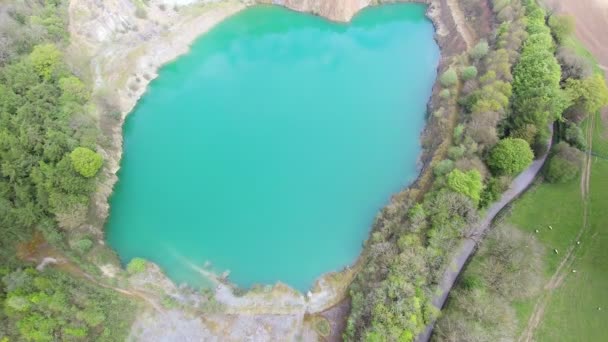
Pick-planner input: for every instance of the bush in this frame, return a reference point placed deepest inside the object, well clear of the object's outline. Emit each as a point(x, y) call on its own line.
point(573, 64)
point(136, 265)
point(456, 152)
point(591, 93)
point(469, 184)
point(445, 94)
point(510, 156)
point(85, 161)
point(480, 50)
point(443, 167)
point(561, 26)
point(83, 245)
point(449, 78)
point(493, 191)
point(565, 164)
point(575, 137)
point(458, 131)
point(469, 73)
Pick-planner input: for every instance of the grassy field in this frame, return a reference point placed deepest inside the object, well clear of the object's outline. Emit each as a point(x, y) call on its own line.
point(573, 309)
point(559, 206)
point(572, 313)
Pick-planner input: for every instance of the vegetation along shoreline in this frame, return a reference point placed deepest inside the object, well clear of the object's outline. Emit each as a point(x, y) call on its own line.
point(511, 80)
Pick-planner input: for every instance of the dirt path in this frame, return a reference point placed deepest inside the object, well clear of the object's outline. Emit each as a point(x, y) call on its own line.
point(46, 256)
point(461, 23)
point(456, 265)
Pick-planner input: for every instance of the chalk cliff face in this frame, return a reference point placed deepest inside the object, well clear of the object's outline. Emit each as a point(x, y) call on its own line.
point(341, 10)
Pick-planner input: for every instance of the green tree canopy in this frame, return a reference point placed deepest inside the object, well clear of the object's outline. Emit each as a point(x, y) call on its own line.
point(469, 184)
point(449, 78)
point(469, 73)
point(85, 161)
point(564, 165)
point(510, 156)
point(46, 59)
point(136, 265)
point(562, 26)
point(589, 93)
point(480, 50)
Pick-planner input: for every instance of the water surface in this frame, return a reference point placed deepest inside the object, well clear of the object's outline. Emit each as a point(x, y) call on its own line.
point(270, 147)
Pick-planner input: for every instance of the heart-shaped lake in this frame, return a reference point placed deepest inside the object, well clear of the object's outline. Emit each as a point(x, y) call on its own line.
point(268, 149)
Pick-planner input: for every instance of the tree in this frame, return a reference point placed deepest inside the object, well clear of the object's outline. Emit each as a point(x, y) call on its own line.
point(469, 73)
point(510, 156)
point(573, 64)
point(85, 161)
point(136, 265)
point(469, 184)
point(589, 93)
point(562, 26)
point(73, 90)
point(449, 78)
point(574, 136)
point(45, 59)
point(53, 306)
point(443, 167)
point(565, 164)
point(480, 50)
point(537, 95)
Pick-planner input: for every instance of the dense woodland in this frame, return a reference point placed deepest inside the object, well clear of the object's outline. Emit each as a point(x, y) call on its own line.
point(48, 168)
point(507, 91)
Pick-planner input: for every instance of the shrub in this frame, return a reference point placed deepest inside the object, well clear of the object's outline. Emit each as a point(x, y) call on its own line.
point(83, 245)
point(449, 78)
point(456, 152)
point(561, 26)
point(575, 137)
point(322, 327)
point(472, 281)
point(136, 265)
point(510, 156)
point(458, 131)
point(564, 165)
point(573, 64)
point(480, 50)
point(445, 94)
point(443, 167)
point(469, 184)
point(469, 73)
point(591, 93)
point(85, 161)
point(492, 191)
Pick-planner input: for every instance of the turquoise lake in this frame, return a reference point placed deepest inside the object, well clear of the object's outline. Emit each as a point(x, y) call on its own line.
point(270, 147)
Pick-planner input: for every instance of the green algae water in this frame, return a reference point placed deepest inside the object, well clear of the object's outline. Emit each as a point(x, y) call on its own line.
point(269, 148)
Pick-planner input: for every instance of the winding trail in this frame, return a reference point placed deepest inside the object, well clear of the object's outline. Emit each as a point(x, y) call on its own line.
point(462, 254)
